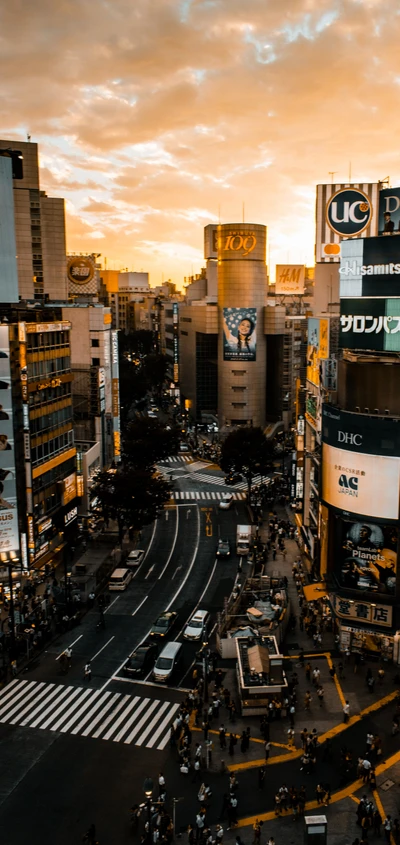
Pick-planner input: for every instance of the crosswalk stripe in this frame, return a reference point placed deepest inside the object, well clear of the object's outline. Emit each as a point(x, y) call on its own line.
point(140, 724)
point(152, 724)
point(167, 720)
point(194, 495)
point(8, 687)
point(81, 710)
point(98, 704)
point(10, 703)
point(100, 715)
point(121, 718)
point(20, 704)
point(131, 720)
point(70, 710)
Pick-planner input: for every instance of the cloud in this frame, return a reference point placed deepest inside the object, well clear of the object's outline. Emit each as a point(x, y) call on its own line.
point(157, 116)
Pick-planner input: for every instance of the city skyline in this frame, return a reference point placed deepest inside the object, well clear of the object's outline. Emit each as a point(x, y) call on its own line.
point(157, 119)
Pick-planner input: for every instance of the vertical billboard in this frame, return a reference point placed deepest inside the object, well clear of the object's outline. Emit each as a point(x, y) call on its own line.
point(115, 394)
point(344, 211)
point(317, 347)
point(239, 334)
point(367, 556)
point(8, 249)
point(389, 212)
point(290, 279)
point(9, 535)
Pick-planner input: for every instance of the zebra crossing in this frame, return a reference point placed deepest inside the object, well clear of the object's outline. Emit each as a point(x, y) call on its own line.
point(85, 712)
point(207, 495)
point(176, 459)
point(220, 481)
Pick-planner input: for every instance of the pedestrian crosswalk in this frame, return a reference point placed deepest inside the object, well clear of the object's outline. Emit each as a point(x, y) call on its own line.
point(85, 712)
point(204, 495)
point(176, 459)
point(220, 481)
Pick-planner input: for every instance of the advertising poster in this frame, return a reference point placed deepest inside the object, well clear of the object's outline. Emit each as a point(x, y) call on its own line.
point(370, 267)
point(344, 211)
point(389, 212)
point(240, 334)
point(290, 279)
point(370, 324)
point(9, 536)
point(317, 347)
point(360, 483)
point(368, 556)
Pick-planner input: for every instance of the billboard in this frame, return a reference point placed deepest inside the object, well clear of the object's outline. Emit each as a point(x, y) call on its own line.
point(363, 611)
point(317, 347)
point(290, 279)
point(115, 403)
point(389, 212)
point(361, 483)
point(81, 274)
point(359, 432)
point(9, 534)
point(344, 211)
point(370, 267)
point(370, 324)
point(367, 556)
point(240, 334)
point(8, 249)
point(242, 241)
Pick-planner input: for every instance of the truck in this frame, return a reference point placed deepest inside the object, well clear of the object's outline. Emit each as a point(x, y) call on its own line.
point(244, 535)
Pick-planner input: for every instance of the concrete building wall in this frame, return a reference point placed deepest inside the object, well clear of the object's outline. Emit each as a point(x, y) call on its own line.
point(242, 284)
point(192, 320)
point(326, 289)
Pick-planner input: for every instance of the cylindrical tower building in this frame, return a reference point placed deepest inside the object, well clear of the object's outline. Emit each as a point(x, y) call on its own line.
point(242, 288)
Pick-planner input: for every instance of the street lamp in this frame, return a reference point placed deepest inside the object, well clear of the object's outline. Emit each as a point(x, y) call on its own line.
point(148, 791)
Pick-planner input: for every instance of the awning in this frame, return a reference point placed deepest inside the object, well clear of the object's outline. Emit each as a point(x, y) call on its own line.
point(313, 592)
point(258, 658)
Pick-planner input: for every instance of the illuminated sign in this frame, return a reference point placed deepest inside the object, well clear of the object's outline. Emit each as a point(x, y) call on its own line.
point(240, 242)
point(70, 516)
point(370, 324)
point(69, 488)
point(80, 485)
point(348, 212)
point(115, 397)
point(290, 279)
point(31, 535)
point(33, 328)
point(51, 382)
point(80, 270)
point(317, 347)
point(44, 525)
point(377, 614)
point(361, 483)
point(117, 444)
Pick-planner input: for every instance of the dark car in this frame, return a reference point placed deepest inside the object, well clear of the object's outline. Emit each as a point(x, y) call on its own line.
point(233, 478)
point(163, 625)
point(140, 660)
point(223, 548)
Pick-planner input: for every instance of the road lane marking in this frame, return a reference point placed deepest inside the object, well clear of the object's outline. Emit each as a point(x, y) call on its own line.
point(102, 649)
point(93, 709)
point(70, 710)
point(149, 572)
point(100, 715)
point(131, 720)
point(67, 701)
point(62, 692)
point(120, 719)
point(141, 722)
point(168, 718)
point(173, 544)
point(190, 567)
point(110, 716)
point(140, 605)
point(69, 646)
point(111, 604)
point(153, 723)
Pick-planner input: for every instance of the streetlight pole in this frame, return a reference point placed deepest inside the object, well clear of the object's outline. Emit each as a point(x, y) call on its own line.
point(148, 791)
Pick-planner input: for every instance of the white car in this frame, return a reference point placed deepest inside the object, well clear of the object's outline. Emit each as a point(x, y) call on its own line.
point(196, 629)
point(135, 558)
point(226, 502)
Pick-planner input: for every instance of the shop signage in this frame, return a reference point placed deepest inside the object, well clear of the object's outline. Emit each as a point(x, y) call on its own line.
point(70, 516)
point(348, 212)
point(290, 279)
point(44, 525)
point(51, 382)
point(376, 614)
point(69, 488)
point(240, 242)
point(63, 326)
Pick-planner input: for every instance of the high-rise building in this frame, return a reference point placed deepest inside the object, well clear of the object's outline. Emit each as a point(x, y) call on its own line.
point(39, 231)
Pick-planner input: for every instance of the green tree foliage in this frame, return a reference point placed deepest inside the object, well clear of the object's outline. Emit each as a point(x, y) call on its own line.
point(140, 342)
point(155, 368)
point(147, 441)
point(132, 497)
point(246, 450)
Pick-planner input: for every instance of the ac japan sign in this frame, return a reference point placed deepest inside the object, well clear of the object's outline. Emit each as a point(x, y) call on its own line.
point(348, 212)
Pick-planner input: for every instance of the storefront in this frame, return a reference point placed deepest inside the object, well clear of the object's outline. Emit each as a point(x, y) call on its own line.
point(368, 643)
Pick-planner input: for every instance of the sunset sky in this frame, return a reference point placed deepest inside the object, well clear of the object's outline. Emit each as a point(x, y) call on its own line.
point(154, 117)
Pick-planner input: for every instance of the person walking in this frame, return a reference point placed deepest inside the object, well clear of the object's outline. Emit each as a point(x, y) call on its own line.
point(87, 672)
point(267, 749)
point(68, 655)
point(387, 828)
point(222, 737)
point(346, 712)
point(261, 777)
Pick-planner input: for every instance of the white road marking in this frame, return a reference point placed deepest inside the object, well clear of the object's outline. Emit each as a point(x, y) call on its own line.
point(149, 572)
point(173, 545)
point(70, 646)
point(168, 718)
point(102, 649)
point(140, 605)
point(111, 603)
point(141, 722)
point(190, 567)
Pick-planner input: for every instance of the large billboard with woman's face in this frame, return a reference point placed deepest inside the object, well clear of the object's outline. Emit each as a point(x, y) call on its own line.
point(240, 334)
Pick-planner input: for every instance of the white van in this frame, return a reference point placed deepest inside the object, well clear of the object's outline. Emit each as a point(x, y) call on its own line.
point(196, 628)
point(167, 661)
point(120, 579)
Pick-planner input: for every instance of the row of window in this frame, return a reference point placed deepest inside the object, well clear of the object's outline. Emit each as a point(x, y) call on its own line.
point(51, 368)
point(51, 420)
point(37, 340)
point(53, 475)
point(52, 447)
point(50, 394)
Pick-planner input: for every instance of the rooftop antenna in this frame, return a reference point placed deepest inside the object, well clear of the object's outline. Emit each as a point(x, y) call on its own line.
point(331, 174)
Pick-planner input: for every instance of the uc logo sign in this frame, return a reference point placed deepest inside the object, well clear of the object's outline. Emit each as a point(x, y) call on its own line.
point(349, 212)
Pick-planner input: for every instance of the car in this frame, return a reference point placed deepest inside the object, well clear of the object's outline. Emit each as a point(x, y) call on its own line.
point(196, 628)
point(183, 447)
point(135, 558)
point(226, 502)
point(233, 478)
point(223, 548)
point(140, 660)
point(163, 625)
point(152, 415)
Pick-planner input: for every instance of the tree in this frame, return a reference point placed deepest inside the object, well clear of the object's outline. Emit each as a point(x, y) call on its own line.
point(248, 451)
point(139, 342)
point(147, 441)
point(132, 497)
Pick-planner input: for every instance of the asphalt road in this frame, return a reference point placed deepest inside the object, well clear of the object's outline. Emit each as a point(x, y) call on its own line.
point(73, 752)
